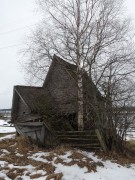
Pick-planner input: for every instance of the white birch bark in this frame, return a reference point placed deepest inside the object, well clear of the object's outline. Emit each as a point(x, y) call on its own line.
point(79, 71)
point(80, 101)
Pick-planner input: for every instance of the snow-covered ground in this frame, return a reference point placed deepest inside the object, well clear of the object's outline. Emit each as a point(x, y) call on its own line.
point(130, 135)
point(10, 136)
point(5, 127)
point(110, 171)
point(39, 164)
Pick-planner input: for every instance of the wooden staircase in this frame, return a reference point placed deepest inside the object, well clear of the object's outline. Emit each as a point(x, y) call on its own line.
point(80, 139)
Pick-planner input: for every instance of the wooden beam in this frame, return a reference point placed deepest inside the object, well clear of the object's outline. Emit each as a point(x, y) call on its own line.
point(101, 139)
point(30, 124)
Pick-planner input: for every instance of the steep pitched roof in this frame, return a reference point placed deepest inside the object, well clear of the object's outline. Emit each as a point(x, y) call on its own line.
point(39, 100)
point(36, 98)
point(70, 68)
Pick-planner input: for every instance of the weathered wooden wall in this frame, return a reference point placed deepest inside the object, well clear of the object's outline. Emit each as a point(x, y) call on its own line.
point(22, 108)
point(38, 132)
point(63, 89)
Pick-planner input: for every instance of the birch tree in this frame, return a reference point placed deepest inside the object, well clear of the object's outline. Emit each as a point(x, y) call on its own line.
point(84, 32)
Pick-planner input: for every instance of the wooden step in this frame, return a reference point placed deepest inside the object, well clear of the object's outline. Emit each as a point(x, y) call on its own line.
point(80, 139)
point(77, 139)
point(76, 132)
point(77, 136)
point(87, 146)
point(95, 144)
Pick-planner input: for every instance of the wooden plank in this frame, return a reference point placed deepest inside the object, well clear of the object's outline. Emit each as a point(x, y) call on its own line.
point(77, 139)
point(84, 145)
point(77, 135)
point(31, 118)
point(18, 130)
point(75, 132)
point(30, 124)
point(33, 133)
point(101, 139)
point(42, 138)
point(25, 129)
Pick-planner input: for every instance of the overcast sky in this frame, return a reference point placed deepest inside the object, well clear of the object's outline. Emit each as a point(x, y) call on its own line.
point(17, 17)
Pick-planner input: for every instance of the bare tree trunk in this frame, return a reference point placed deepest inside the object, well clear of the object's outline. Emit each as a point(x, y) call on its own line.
point(80, 102)
point(79, 73)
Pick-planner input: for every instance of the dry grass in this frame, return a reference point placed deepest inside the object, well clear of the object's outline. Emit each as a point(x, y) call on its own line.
point(23, 146)
point(123, 159)
point(7, 143)
point(35, 176)
point(89, 165)
point(12, 175)
point(16, 160)
point(1, 178)
point(81, 160)
point(50, 157)
point(131, 145)
point(48, 167)
point(55, 176)
point(61, 150)
point(26, 148)
point(77, 155)
point(59, 160)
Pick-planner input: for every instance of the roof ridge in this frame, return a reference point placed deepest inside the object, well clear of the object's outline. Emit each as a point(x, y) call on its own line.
point(22, 86)
point(55, 57)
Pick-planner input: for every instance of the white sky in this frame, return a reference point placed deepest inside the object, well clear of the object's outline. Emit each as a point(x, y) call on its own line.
point(16, 18)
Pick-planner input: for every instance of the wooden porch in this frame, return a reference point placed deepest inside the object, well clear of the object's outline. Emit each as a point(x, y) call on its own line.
point(42, 134)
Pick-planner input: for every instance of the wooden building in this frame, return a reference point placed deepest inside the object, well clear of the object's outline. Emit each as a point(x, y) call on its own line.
point(48, 114)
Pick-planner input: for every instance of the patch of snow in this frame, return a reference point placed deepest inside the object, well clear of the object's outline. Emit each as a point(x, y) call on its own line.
point(23, 177)
point(90, 155)
point(3, 163)
point(130, 136)
point(5, 151)
point(30, 168)
point(18, 154)
point(71, 172)
point(11, 136)
point(39, 156)
point(4, 176)
point(38, 172)
point(110, 171)
point(65, 157)
point(6, 127)
point(3, 122)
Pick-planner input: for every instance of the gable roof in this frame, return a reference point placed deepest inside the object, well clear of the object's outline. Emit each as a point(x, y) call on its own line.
point(70, 68)
point(39, 100)
point(36, 98)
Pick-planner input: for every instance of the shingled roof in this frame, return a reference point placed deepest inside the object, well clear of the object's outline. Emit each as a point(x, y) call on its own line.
point(71, 69)
point(37, 98)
